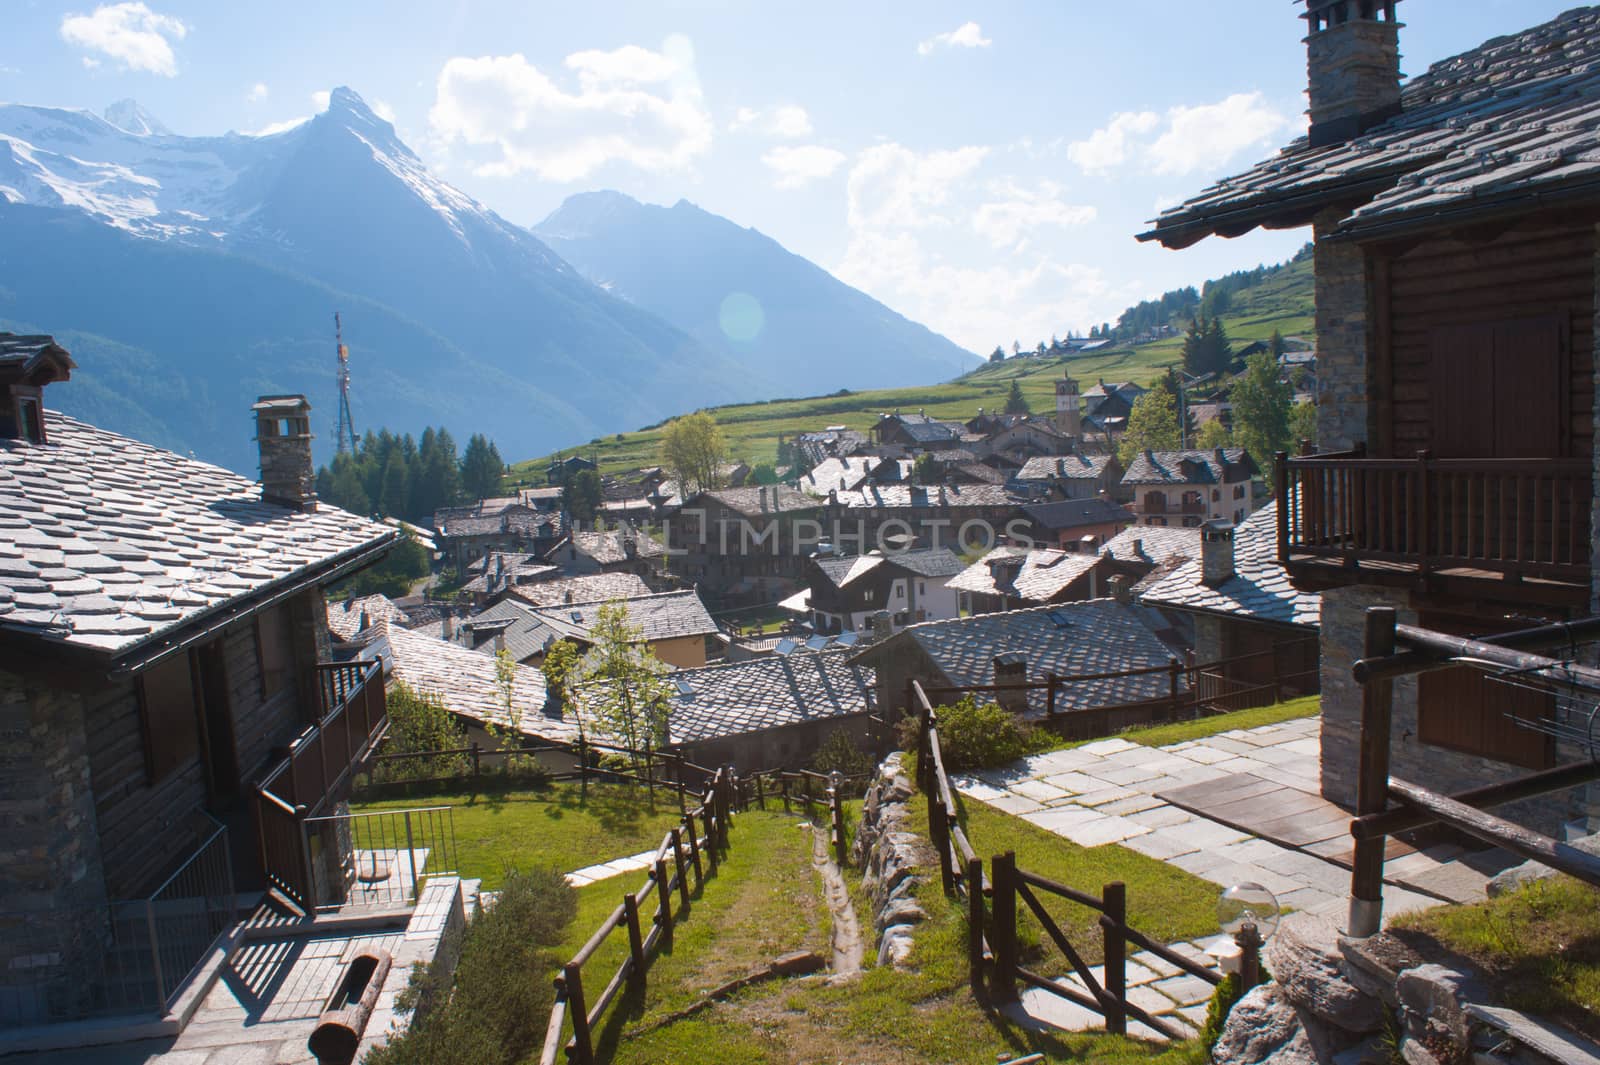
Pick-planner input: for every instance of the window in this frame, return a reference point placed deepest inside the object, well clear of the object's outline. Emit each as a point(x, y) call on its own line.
point(30, 419)
point(275, 649)
point(1191, 522)
point(1238, 516)
point(167, 711)
point(1238, 491)
point(922, 587)
point(1216, 495)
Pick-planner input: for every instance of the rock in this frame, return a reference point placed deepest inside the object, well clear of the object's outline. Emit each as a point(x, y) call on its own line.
point(1308, 966)
point(1519, 876)
point(798, 963)
point(1414, 1053)
point(1374, 963)
point(1259, 1025)
point(900, 912)
point(1370, 1051)
point(1436, 996)
point(896, 946)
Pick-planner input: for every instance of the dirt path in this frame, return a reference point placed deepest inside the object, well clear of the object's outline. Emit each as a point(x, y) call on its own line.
point(846, 945)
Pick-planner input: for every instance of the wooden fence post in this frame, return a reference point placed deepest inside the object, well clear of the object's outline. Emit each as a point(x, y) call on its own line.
point(783, 785)
point(476, 768)
point(578, 1010)
point(1193, 674)
point(975, 924)
point(1174, 670)
point(1114, 896)
point(1003, 869)
point(761, 795)
point(664, 892)
point(694, 848)
point(1372, 781)
point(1050, 694)
point(630, 909)
point(677, 865)
point(836, 809)
point(939, 835)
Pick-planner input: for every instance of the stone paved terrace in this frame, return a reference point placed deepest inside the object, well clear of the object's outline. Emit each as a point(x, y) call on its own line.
point(1105, 792)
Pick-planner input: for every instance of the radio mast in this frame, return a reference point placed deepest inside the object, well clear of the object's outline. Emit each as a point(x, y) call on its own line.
point(345, 435)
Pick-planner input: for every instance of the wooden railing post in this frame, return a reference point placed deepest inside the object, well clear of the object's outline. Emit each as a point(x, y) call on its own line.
point(664, 894)
point(578, 1010)
point(694, 847)
point(1003, 868)
point(1050, 694)
point(783, 784)
point(677, 866)
point(975, 924)
point(836, 817)
point(1280, 492)
point(761, 795)
point(1372, 783)
point(1174, 689)
point(1424, 518)
point(1114, 897)
point(630, 909)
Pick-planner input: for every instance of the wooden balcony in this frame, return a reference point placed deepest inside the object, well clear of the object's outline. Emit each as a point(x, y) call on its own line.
point(1514, 530)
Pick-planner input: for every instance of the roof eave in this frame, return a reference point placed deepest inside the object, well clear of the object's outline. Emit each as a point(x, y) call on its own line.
point(1267, 212)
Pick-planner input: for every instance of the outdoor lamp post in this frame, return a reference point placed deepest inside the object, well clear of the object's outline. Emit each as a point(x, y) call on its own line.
point(1249, 913)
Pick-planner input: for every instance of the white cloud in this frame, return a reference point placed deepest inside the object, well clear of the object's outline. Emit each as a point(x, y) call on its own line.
point(799, 165)
point(631, 105)
point(1191, 138)
point(130, 33)
point(966, 35)
point(1203, 136)
point(382, 109)
point(1108, 146)
point(319, 100)
point(893, 186)
point(788, 121)
point(1010, 222)
point(258, 92)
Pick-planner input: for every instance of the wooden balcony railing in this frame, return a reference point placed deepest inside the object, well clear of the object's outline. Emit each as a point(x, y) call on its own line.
point(317, 769)
point(1513, 518)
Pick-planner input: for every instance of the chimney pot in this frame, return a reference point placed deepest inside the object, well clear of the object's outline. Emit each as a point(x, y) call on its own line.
point(447, 624)
point(1011, 668)
point(1216, 553)
point(283, 435)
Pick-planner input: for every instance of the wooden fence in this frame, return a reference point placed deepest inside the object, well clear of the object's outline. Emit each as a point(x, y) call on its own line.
point(703, 834)
point(993, 944)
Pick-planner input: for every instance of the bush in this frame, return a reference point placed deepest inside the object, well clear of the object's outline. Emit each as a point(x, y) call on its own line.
point(418, 722)
point(977, 737)
point(838, 755)
point(495, 1010)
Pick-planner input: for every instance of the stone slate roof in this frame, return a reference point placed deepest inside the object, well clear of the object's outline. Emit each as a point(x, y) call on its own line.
point(344, 615)
point(585, 589)
point(1094, 636)
point(108, 544)
point(607, 548)
point(1259, 589)
point(841, 571)
point(1069, 467)
point(659, 617)
point(525, 632)
point(766, 693)
point(515, 519)
point(1184, 467)
point(1157, 544)
point(1103, 390)
point(931, 496)
point(758, 500)
point(932, 562)
point(498, 569)
point(465, 681)
point(1513, 123)
point(1045, 573)
point(1074, 513)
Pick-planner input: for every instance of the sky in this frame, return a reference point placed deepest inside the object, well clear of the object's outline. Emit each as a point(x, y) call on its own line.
point(980, 168)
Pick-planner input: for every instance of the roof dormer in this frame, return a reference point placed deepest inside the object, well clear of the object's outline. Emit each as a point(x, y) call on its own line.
point(27, 365)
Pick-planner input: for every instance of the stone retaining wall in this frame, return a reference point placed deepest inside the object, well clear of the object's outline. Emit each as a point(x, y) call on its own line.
point(893, 858)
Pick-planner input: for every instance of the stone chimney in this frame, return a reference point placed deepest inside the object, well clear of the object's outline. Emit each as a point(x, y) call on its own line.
point(1216, 553)
point(1353, 67)
point(1121, 587)
point(283, 433)
point(881, 626)
point(447, 624)
point(1003, 570)
point(1011, 668)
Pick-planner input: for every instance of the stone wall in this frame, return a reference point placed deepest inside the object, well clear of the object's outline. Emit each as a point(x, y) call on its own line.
point(894, 859)
point(1342, 334)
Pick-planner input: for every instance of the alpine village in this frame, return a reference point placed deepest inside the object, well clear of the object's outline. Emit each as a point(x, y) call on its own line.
point(1216, 684)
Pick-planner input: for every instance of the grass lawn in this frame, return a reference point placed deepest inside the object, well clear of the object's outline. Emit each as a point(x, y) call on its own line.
point(1540, 947)
point(1199, 728)
point(559, 826)
point(884, 1016)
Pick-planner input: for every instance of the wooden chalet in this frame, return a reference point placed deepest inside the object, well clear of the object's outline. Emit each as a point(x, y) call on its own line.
point(170, 703)
point(1455, 261)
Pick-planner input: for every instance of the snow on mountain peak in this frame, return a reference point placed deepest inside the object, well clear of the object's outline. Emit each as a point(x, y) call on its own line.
point(130, 117)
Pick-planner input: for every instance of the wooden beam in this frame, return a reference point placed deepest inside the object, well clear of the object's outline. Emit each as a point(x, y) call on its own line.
point(1500, 832)
point(1404, 819)
point(1435, 650)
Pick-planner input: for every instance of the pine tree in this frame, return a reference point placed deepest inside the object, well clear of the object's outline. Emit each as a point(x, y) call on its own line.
point(998, 354)
point(481, 468)
point(395, 490)
point(1016, 402)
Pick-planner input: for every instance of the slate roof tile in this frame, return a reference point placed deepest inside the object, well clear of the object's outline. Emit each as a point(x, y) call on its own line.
point(1259, 589)
point(1044, 573)
point(182, 535)
point(765, 693)
point(1184, 467)
point(663, 616)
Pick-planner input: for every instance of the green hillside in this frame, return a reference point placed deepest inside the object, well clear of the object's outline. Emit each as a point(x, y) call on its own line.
point(1282, 303)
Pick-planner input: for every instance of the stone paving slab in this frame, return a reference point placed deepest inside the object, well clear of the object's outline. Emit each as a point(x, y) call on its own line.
point(615, 867)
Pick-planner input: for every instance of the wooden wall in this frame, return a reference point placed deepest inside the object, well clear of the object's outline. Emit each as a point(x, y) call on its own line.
point(1418, 292)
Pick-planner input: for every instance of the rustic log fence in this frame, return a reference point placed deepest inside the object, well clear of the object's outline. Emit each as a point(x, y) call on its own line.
point(1392, 650)
point(692, 848)
point(993, 943)
point(809, 790)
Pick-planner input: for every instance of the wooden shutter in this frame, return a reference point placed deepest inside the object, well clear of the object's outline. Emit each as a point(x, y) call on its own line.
point(1499, 389)
point(1465, 709)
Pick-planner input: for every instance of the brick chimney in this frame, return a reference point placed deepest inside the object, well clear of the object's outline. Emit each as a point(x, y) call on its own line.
point(283, 433)
point(1216, 552)
point(1353, 67)
point(1011, 668)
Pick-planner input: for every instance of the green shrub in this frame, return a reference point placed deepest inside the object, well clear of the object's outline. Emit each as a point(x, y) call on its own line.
point(838, 754)
point(1223, 998)
point(496, 1008)
point(419, 722)
point(977, 737)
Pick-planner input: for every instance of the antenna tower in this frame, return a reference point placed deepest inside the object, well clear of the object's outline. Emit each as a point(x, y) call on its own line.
point(345, 435)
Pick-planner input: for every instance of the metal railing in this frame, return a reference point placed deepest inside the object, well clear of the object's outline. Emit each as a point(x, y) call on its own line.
point(123, 957)
point(381, 858)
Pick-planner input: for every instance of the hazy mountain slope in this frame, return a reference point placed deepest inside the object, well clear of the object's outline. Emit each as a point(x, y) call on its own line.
point(740, 292)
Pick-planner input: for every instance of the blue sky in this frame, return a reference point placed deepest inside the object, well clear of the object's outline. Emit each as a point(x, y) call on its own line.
point(981, 168)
